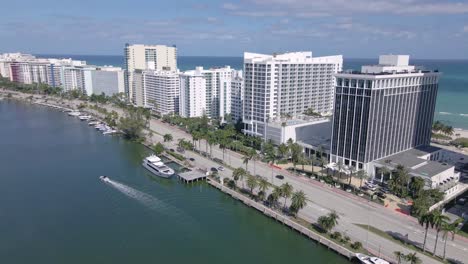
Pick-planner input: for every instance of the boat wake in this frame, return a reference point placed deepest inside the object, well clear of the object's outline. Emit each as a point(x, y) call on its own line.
point(148, 201)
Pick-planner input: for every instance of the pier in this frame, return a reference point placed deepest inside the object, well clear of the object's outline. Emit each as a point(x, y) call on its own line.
point(192, 176)
point(284, 220)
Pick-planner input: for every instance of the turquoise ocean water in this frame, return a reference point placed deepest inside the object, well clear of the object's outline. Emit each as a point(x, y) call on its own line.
point(452, 100)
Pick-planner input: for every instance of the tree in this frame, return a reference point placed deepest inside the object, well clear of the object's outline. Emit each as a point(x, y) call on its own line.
point(158, 148)
point(270, 158)
point(263, 184)
point(438, 220)
point(274, 196)
point(425, 221)
point(323, 163)
point(167, 137)
point(399, 256)
point(239, 174)
point(283, 150)
point(327, 222)
point(361, 174)
point(254, 157)
point(333, 218)
point(252, 183)
point(211, 140)
point(246, 160)
point(298, 201)
point(296, 153)
point(286, 191)
point(412, 258)
point(449, 228)
point(133, 123)
point(416, 186)
point(352, 170)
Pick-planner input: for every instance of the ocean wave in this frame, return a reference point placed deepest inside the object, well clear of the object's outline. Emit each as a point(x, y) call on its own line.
point(465, 115)
point(445, 113)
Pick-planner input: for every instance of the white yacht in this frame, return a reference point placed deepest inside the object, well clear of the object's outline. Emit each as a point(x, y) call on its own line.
point(370, 260)
point(104, 178)
point(74, 113)
point(154, 164)
point(109, 131)
point(93, 123)
point(84, 117)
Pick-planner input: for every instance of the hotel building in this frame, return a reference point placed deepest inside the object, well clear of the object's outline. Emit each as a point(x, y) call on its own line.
point(161, 91)
point(147, 57)
point(286, 85)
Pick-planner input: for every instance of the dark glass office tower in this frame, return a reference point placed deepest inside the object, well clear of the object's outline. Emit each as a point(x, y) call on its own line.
point(382, 110)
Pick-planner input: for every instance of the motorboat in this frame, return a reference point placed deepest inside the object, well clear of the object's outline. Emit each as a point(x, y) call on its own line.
point(109, 132)
point(74, 113)
point(94, 123)
point(370, 260)
point(84, 117)
point(104, 178)
point(155, 165)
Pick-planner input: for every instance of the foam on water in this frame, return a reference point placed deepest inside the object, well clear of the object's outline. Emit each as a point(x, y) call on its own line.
point(147, 200)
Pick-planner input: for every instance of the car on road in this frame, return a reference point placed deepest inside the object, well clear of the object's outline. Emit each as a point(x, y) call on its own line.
point(221, 168)
point(181, 150)
point(171, 150)
point(281, 177)
point(213, 169)
point(191, 159)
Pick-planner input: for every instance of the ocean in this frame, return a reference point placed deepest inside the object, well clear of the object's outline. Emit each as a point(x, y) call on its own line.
point(452, 100)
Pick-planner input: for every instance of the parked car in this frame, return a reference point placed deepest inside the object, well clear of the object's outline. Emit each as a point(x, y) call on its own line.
point(181, 150)
point(221, 168)
point(191, 159)
point(381, 195)
point(213, 169)
point(281, 177)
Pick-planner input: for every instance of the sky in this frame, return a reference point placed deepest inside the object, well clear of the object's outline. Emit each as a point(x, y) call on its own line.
point(431, 29)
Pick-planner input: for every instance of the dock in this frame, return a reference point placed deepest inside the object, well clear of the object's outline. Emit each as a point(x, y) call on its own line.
point(284, 220)
point(53, 106)
point(192, 176)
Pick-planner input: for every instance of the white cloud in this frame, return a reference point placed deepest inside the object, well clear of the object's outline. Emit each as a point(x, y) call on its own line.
point(316, 8)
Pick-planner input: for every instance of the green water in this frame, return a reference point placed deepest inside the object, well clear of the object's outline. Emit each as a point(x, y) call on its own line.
point(53, 208)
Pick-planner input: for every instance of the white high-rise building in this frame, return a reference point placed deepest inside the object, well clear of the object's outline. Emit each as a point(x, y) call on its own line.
point(192, 101)
point(161, 91)
point(147, 57)
point(286, 85)
point(237, 90)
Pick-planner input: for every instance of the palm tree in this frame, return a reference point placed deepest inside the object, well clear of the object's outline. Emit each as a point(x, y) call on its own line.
point(286, 191)
point(438, 220)
point(450, 228)
point(252, 183)
point(167, 137)
point(246, 160)
point(211, 141)
point(298, 201)
point(352, 170)
point(238, 174)
point(283, 150)
point(362, 174)
point(270, 158)
point(333, 218)
point(425, 221)
point(254, 157)
point(412, 258)
point(399, 256)
point(263, 185)
point(274, 196)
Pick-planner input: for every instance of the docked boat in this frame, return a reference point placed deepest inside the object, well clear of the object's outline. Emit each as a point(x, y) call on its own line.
point(154, 164)
point(94, 123)
point(370, 260)
point(74, 113)
point(104, 178)
point(109, 132)
point(84, 117)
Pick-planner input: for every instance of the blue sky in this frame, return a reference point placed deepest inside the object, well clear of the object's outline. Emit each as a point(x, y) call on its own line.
point(354, 28)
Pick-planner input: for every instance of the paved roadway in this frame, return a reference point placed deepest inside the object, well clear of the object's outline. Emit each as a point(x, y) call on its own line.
point(323, 199)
